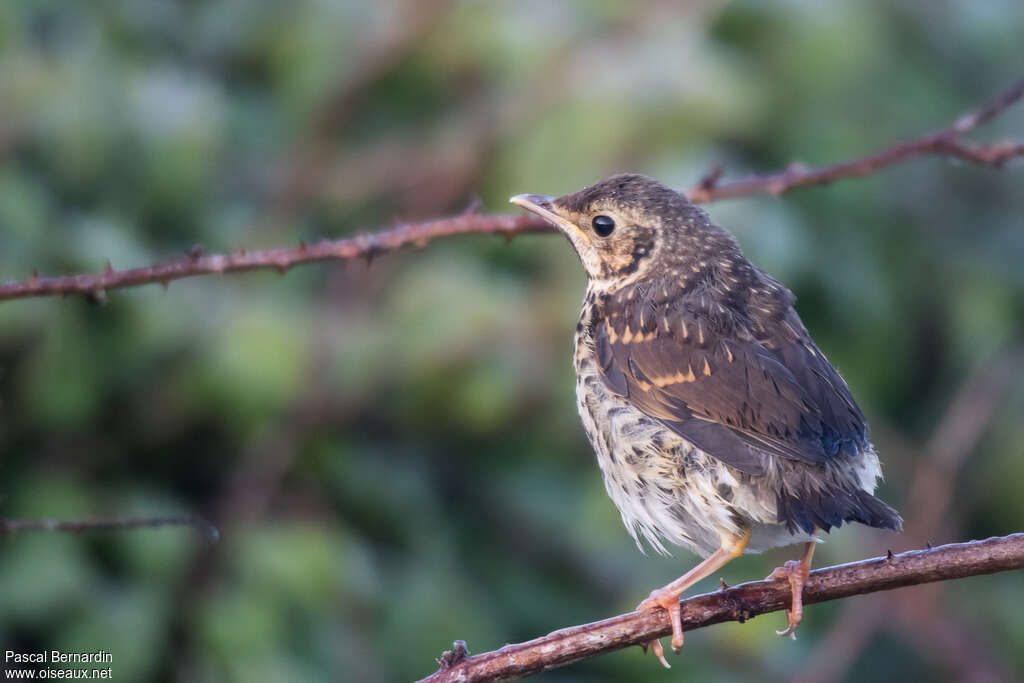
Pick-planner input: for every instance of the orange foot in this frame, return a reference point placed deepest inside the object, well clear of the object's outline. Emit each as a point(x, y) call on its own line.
point(668, 600)
point(796, 573)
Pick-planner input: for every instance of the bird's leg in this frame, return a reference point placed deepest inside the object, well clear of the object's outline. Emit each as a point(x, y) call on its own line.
point(668, 596)
point(796, 573)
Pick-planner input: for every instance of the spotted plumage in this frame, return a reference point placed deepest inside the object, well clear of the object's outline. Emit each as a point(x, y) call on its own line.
point(717, 422)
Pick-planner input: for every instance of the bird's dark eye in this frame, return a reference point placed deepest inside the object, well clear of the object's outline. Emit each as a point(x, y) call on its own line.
point(603, 225)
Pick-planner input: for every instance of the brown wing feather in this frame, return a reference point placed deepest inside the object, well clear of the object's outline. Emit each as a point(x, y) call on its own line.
point(739, 396)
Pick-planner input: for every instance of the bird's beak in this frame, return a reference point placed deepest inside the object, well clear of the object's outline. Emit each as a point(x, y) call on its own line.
point(543, 206)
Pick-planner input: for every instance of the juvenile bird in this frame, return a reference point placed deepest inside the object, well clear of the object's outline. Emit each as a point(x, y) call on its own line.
point(718, 424)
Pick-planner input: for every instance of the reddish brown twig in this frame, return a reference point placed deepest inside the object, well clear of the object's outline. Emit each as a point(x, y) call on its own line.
point(279, 259)
point(739, 603)
point(943, 143)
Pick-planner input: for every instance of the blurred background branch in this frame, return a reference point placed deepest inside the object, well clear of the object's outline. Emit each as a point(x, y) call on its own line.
point(16, 526)
point(304, 168)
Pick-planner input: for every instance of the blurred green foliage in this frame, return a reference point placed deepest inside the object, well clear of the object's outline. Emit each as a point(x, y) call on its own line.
point(391, 450)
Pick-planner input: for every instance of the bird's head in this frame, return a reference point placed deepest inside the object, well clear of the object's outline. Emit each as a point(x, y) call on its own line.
point(628, 227)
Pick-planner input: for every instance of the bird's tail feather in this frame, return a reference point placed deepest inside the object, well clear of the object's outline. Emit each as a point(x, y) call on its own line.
point(823, 510)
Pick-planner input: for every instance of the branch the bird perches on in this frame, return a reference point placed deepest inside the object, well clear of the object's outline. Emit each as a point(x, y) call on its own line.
point(945, 143)
point(739, 603)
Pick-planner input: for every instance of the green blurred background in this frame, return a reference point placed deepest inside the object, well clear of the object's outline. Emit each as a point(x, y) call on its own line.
point(391, 450)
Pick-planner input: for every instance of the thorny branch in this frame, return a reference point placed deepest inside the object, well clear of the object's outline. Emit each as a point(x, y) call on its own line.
point(954, 561)
point(945, 142)
point(281, 259)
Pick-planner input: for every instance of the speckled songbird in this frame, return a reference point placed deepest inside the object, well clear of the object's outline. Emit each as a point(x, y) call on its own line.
point(718, 424)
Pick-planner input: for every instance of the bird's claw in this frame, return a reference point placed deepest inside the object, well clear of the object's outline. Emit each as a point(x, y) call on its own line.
point(788, 631)
point(658, 651)
point(796, 573)
point(669, 601)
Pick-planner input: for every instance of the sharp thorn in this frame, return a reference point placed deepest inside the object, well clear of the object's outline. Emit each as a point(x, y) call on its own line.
point(372, 250)
point(709, 181)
